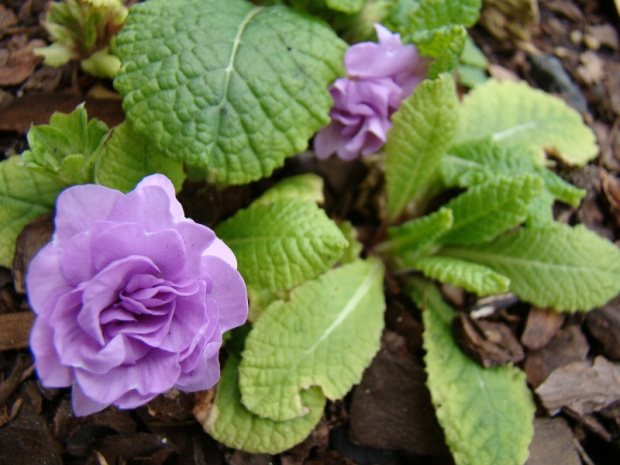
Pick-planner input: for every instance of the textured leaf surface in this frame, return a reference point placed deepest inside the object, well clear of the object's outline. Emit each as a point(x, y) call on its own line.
point(479, 161)
point(127, 157)
point(24, 195)
point(282, 244)
point(421, 133)
point(486, 210)
point(302, 187)
point(230, 423)
point(486, 413)
point(516, 114)
point(346, 6)
point(431, 14)
point(444, 44)
point(561, 267)
point(65, 147)
point(417, 236)
point(470, 276)
point(325, 335)
point(228, 86)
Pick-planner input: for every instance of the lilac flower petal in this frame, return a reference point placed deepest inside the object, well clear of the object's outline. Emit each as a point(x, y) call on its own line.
point(155, 373)
point(222, 251)
point(206, 374)
point(79, 207)
point(162, 181)
point(82, 404)
point(44, 281)
point(197, 238)
point(164, 248)
point(149, 206)
point(50, 370)
point(228, 291)
point(102, 360)
point(103, 291)
point(328, 140)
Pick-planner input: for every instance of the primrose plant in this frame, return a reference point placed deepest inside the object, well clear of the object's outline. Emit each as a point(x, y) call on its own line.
point(227, 90)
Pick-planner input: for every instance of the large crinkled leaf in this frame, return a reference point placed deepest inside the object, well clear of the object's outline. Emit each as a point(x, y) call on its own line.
point(421, 133)
point(565, 268)
point(307, 186)
point(127, 157)
point(24, 195)
point(470, 276)
point(230, 423)
point(515, 114)
point(325, 335)
point(486, 413)
point(227, 85)
point(479, 161)
point(418, 236)
point(281, 244)
point(486, 210)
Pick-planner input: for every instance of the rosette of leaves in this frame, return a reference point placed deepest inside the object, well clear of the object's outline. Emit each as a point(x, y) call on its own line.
point(497, 234)
point(81, 30)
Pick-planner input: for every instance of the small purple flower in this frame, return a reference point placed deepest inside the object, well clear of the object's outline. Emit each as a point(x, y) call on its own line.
point(131, 297)
point(381, 76)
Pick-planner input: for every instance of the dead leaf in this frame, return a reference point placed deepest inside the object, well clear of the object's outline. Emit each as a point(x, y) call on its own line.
point(591, 68)
point(581, 387)
point(605, 34)
point(510, 18)
point(7, 18)
point(17, 62)
point(487, 342)
point(611, 188)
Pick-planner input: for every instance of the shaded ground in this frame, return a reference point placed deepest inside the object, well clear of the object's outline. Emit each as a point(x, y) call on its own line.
point(572, 51)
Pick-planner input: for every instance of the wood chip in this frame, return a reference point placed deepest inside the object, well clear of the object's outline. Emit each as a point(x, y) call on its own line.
point(391, 408)
point(568, 345)
point(581, 387)
point(604, 326)
point(17, 62)
point(541, 326)
point(15, 330)
point(553, 443)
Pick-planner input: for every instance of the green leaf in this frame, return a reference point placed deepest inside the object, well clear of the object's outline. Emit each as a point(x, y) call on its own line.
point(355, 247)
point(24, 195)
point(307, 186)
point(230, 423)
point(325, 335)
point(540, 214)
point(66, 146)
point(432, 14)
point(227, 85)
point(470, 276)
point(345, 6)
point(486, 210)
point(565, 268)
point(418, 236)
point(444, 44)
point(421, 133)
point(282, 244)
point(260, 299)
point(127, 157)
point(486, 413)
point(473, 56)
point(516, 114)
point(470, 76)
point(480, 161)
